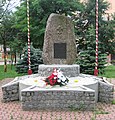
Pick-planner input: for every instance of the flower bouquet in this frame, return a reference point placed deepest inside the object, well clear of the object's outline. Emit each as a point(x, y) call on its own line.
point(56, 78)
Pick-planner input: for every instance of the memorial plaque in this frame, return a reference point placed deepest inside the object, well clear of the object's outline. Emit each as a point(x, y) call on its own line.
point(60, 50)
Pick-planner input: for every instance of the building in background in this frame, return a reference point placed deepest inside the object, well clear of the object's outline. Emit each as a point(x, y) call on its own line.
point(111, 10)
point(2, 53)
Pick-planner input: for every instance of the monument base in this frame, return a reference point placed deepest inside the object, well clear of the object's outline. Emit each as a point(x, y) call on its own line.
point(58, 98)
point(81, 92)
point(68, 70)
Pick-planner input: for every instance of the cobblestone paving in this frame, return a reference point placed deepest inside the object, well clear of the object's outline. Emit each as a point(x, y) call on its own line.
point(13, 111)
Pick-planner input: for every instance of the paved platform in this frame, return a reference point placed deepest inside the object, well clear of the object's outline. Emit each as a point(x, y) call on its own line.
point(13, 111)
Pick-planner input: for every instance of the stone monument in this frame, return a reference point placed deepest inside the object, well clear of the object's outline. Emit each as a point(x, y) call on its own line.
point(59, 41)
point(59, 49)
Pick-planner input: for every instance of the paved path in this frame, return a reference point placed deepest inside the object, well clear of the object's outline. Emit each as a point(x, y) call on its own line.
point(13, 111)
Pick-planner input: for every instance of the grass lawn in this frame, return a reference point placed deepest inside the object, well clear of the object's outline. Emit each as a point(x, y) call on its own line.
point(109, 72)
point(9, 74)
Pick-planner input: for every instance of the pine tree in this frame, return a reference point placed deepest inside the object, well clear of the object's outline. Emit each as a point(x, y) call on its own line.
point(36, 59)
point(85, 32)
point(86, 58)
point(84, 20)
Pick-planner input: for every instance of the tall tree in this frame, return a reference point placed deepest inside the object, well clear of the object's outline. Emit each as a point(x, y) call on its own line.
point(6, 34)
point(86, 19)
point(39, 12)
point(85, 31)
point(6, 30)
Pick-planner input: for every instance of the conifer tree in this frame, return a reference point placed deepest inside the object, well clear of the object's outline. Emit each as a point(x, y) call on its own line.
point(35, 58)
point(86, 58)
point(85, 31)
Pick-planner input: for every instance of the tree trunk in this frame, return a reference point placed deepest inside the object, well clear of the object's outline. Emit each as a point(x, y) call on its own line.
point(20, 55)
point(15, 59)
point(11, 60)
point(5, 56)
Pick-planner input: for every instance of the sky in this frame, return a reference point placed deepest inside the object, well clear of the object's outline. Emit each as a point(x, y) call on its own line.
point(12, 5)
point(15, 2)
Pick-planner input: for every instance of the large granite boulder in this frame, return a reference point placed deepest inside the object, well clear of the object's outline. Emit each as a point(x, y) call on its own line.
point(59, 41)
